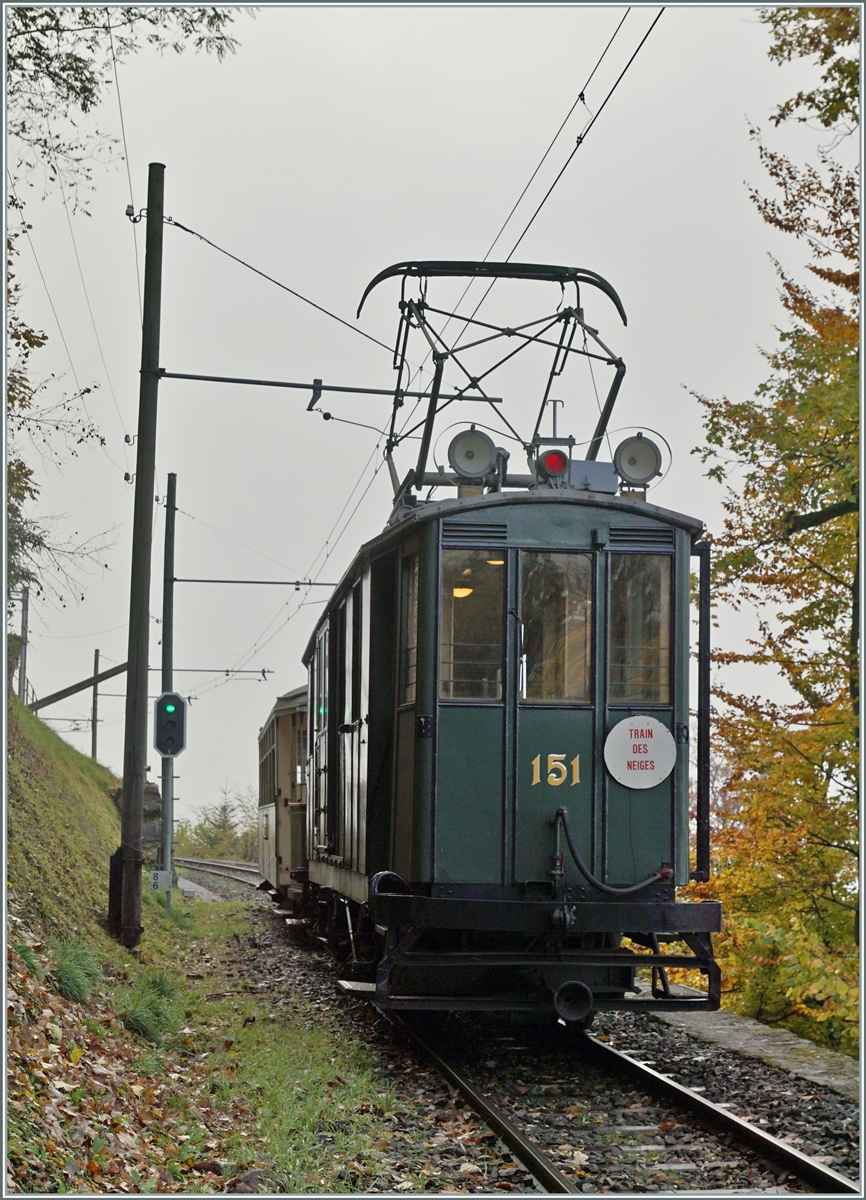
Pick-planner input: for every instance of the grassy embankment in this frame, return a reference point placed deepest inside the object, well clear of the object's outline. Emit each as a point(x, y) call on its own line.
point(211, 1081)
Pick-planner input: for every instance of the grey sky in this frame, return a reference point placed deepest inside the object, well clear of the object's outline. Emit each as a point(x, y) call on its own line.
point(337, 141)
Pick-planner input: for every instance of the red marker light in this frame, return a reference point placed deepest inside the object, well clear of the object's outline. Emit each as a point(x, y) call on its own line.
point(554, 462)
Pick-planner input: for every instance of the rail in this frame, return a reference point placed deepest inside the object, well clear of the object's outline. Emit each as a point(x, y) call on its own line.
point(239, 872)
point(808, 1170)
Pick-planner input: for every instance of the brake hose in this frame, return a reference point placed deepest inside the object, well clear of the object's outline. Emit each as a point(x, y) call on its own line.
point(664, 873)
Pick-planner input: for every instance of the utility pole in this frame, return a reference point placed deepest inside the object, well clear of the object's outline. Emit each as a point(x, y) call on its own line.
point(25, 633)
point(93, 707)
point(167, 680)
point(135, 734)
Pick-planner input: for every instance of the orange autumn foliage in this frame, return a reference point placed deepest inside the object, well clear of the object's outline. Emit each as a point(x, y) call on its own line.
point(785, 811)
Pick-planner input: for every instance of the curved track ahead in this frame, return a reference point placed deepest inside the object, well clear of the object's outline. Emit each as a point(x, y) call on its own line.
point(815, 1174)
point(240, 872)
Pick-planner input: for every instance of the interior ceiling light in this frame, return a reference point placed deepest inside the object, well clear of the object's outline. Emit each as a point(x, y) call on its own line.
point(462, 593)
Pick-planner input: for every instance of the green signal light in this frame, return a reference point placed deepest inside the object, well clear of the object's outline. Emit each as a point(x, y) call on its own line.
point(170, 707)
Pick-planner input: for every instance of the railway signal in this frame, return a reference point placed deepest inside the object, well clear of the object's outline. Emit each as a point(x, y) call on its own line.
point(169, 724)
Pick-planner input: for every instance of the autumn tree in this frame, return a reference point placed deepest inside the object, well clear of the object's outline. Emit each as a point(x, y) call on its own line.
point(787, 851)
point(59, 62)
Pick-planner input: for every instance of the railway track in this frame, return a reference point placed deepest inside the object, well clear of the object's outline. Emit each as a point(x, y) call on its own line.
point(665, 1142)
point(716, 1128)
point(238, 871)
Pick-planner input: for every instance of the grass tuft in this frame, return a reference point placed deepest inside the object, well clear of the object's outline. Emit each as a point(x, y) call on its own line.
point(149, 1010)
point(76, 970)
point(158, 981)
point(28, 955)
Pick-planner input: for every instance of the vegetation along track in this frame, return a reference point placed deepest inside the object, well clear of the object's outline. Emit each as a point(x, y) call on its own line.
point(582, 1116)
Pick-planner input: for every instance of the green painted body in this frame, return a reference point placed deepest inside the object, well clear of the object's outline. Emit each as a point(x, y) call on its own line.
point(454, 799)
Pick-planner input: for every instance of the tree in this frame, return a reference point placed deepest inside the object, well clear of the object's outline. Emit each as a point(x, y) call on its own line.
point(59, 60)
point(787, 841)
point(35, 557)
point(228, 829)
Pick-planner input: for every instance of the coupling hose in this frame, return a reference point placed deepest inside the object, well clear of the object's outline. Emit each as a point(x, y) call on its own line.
point(664, 873)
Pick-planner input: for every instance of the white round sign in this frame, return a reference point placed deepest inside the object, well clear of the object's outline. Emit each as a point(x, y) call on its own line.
point(640, 752)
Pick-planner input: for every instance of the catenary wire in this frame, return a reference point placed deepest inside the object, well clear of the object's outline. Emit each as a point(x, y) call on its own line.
point(581, 139)
point(555, 138)
point(84, 286)
point(585, 133)
point(328, 546)
point(270, 279)
point(20, 208)
point(580, 97)
point(128, 173)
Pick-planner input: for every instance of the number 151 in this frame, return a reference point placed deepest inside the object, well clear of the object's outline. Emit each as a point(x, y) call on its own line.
point(557, 772)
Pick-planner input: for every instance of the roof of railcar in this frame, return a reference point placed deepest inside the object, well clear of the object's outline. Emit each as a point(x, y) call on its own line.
point(436, 509)
point(289, 702)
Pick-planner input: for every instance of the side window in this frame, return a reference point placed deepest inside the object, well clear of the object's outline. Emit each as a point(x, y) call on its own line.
point(472, 617)
point(640, 629)
point(300, 755)
point(408, 628)
point(320, 676)
point(556, 615)
point(355, 714)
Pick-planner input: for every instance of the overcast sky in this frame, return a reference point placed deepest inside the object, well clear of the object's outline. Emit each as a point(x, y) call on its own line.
point(339, 140)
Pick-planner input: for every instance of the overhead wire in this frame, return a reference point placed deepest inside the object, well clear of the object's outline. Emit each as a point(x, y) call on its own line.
point(583, 136)
point(270, 279)
point(128, 173)
point(555, 138)
point(580, 140)
point(20, 209)
point(84, 289)
point(542, 160)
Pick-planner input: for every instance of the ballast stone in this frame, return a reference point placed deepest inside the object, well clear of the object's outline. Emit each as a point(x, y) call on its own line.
point(778, 1047)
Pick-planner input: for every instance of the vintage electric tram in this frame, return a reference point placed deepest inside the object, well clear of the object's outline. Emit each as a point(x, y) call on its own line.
point(498, 771)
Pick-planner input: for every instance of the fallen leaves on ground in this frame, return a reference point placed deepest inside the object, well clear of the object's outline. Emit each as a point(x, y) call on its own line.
point(85, 1116)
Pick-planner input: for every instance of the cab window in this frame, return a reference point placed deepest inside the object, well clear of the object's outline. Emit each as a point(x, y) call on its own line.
point(556, 627)
point(471, 634)
point(640, 629)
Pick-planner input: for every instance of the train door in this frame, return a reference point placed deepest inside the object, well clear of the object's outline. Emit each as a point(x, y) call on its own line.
point(470, 777)
point(594, 648)
point(350, 730)
point(553, 708)
point(405, 731)
point(318, 727)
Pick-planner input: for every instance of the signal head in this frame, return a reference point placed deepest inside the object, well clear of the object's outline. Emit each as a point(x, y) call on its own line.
point(552, 464)
point(169, 724)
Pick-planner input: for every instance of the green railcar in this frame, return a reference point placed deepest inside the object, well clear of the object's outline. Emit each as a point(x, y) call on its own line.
point(499, 784)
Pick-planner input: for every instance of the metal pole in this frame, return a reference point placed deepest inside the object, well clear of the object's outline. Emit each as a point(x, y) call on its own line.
point(94, 706)
point(167, 675)
point(135, 735)
point(25, 633)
